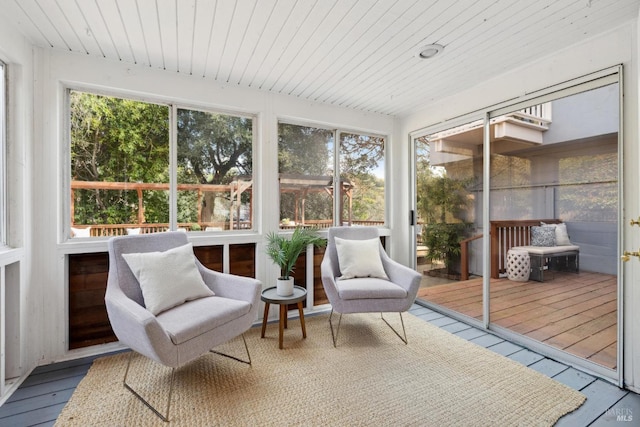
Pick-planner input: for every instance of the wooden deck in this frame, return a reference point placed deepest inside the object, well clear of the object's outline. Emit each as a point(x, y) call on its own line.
point(573, 312)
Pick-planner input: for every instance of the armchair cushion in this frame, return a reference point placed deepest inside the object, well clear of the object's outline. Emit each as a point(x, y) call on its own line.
point(359, 258)
point(197, 317)
point(369, 288)
point(167, 279)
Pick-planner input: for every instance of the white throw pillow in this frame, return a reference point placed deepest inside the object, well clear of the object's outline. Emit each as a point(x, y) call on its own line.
point(133, 231)
point(359, 258)
point(80, 232)
point(562, 237)
point(169, 278)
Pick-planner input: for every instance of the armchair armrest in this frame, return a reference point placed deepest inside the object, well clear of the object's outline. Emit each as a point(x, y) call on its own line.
point(232, 286)
point(136, 327)
point(329, 280)
point(401, 275)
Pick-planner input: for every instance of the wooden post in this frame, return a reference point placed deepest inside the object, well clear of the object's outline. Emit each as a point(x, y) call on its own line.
point(140, 207)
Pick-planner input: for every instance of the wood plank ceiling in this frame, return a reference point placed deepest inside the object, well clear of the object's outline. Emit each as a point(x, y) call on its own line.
point(358, 54)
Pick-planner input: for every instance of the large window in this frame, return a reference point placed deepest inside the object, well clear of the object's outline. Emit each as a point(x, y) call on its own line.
point(309, 195)
point(121, 168)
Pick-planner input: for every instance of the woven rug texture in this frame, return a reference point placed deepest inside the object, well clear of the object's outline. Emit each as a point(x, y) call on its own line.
point(370, 379)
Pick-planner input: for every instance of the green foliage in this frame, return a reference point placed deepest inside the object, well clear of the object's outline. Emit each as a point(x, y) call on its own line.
point(443, 241)
point(304, 150)
point(442, 203)
point(123, 140)
point(368, 198)
point(117, 140)
point(213, 148)
point(285, 251)
point(360, 154)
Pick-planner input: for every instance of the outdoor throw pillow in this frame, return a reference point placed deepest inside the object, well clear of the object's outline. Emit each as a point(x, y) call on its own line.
point(359, 258)
point(167, 279)
point(543, 236)
point(81, 232)
point(562, 237)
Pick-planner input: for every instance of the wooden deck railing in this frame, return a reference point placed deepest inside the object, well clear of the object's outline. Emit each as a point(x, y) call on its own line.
point(464, 256)
point(505, 234)
point(108, 230)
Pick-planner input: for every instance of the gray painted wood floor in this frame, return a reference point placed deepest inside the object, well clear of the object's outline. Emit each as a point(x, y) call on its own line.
point(44, 393)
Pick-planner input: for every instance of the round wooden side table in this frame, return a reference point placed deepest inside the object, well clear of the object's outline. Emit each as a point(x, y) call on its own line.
point(270, 296)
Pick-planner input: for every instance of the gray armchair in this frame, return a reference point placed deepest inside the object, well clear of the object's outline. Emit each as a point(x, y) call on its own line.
point(180, 334)
point(362, 294)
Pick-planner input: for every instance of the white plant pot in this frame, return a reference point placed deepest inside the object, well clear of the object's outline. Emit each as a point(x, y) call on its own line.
point(284, 287)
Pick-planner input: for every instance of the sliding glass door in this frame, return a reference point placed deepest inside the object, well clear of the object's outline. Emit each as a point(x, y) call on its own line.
point(448, 185)
point(554, 215)
point(539, 263)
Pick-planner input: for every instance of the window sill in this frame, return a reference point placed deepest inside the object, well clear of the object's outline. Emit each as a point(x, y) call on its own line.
point(10, 255)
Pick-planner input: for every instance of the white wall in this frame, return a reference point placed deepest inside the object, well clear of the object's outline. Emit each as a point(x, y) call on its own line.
point(21, 305)
point(603, 51)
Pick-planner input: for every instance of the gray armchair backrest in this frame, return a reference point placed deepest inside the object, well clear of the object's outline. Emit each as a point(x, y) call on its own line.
point(120, 274)
point(350, 233)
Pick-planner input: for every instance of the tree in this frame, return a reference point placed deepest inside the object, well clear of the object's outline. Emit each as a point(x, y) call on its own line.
point(212, 149)
point(114, 139)
point(442, 202)
point(305, 150)
point(360, 157)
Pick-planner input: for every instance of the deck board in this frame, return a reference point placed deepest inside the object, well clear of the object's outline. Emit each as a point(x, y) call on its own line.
point(576, 313)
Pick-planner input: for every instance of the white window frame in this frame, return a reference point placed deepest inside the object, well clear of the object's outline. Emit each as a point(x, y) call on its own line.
point(337, 130)
point(172, 106)
point(3, 154)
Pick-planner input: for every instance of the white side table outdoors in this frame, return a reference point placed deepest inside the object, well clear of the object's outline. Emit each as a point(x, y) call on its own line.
point(518, 265)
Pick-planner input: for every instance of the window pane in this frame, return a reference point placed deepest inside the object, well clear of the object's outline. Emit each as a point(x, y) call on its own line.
point(305, 163)
point(362, 175)
point(119, 165)
point(3, 118)
point(214, 171)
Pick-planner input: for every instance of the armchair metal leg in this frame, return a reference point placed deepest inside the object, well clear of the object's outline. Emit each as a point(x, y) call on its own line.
point(404, 332)
point(335, 336)
point(164, 418)
point(248, 362)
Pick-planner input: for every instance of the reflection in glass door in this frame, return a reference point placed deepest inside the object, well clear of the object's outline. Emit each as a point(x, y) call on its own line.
point(554, 209)
point(552, 224)
point(448, 208)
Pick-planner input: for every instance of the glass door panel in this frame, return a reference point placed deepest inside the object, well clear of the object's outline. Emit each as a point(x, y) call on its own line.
point(554, 223)
point(449, 218)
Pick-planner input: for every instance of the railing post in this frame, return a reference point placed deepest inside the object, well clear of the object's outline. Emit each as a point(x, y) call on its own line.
point(464, 262)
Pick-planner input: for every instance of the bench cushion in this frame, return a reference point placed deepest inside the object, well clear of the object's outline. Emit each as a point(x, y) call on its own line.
point(547, 250)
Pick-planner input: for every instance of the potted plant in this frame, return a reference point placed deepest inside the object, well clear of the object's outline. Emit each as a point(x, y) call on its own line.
point(285, 250)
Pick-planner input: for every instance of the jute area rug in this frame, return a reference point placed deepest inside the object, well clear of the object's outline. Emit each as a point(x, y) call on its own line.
point(370, 379)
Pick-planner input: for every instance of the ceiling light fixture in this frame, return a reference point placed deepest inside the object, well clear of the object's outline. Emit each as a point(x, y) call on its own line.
point(429, 51)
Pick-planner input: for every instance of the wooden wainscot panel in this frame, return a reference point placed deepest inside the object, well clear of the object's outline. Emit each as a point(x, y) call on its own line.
point(88, 321)
point(319, 296)
point(242, 259)
point(209, 256)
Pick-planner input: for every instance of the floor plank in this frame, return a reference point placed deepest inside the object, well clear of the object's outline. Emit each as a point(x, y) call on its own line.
point(600, 397)
point(39, 400)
